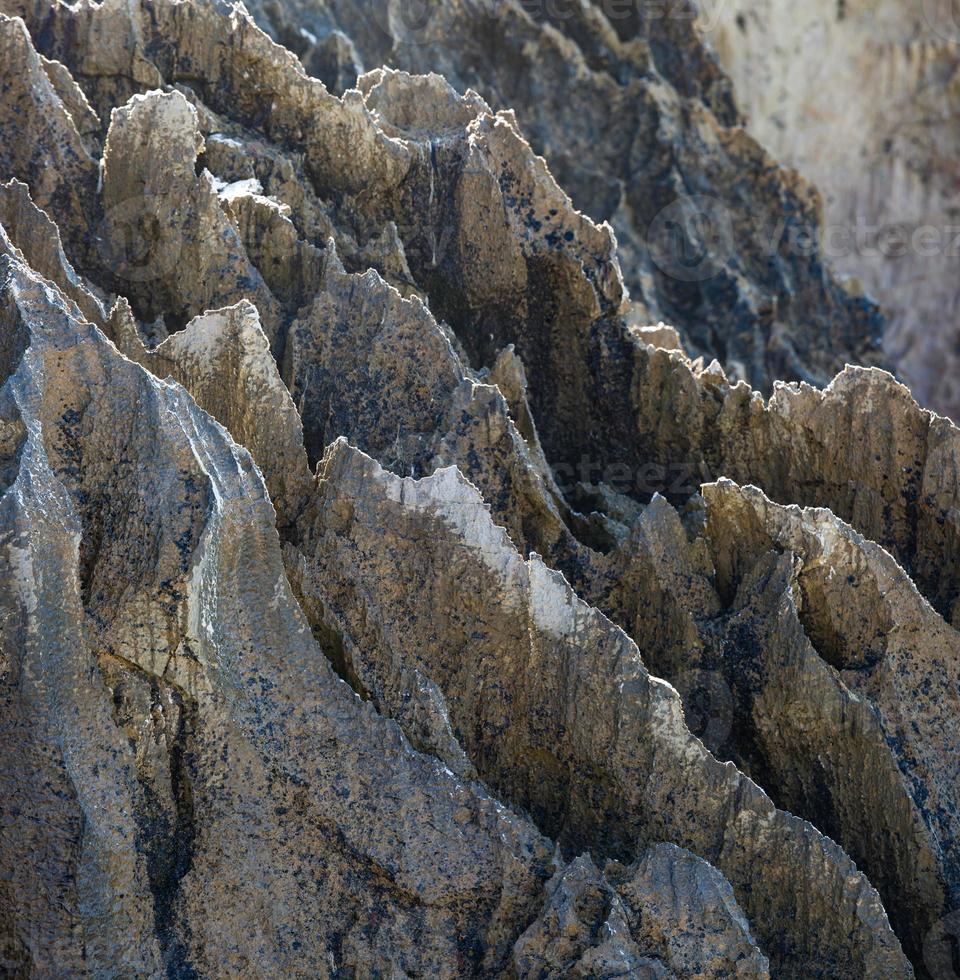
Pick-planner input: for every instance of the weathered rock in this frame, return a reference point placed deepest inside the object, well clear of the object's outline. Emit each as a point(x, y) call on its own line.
point(364, 363)
point(48, 152)
point(678, 424)
point(396, 268)
point(670, 902)
point(189, 716)
point(172, 250)
point(553, 705)
point(38, 239)
point(164, 696)
point(582, 932)
point(421, 709)
point(686, 911)
point(639, 126)
point(223, 359)
point(859, 98)
point(850, 681)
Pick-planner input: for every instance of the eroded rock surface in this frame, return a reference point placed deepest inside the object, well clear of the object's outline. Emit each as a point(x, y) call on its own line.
point(376, 598)
point(860, 98)
point(182, 734)
point(640, 128)
point(553, 703)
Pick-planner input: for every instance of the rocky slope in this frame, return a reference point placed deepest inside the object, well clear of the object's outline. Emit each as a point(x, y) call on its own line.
point(861, 98)
point(639, 126)
point(376, 596)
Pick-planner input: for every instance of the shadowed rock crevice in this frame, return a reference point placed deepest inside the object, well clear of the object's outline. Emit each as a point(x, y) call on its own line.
point(829, 583)
point(159, 721)
point(13, 336)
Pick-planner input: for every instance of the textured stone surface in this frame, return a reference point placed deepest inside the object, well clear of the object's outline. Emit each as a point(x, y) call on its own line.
point(860, 98)
point(826, 633)
point(552, 702)
point(223, 359)
point(639, 126)
point(193, 745)
point(375, 597)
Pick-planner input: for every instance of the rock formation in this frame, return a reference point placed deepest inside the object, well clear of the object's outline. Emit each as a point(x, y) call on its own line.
point(861, 99)
point(639, 126)
point(376, 595)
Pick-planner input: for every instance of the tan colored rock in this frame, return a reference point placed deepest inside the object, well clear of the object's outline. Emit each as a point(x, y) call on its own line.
point(582, 932)
point(171, 248)
point(48, 153)
point(553, 704)
point(852, 688)
point(160, 696)
point(685, 910)
point(669, 902)
point(365, 363)
point(75, 102)
point(223, 359)
point(396, 267)
point(38, 239)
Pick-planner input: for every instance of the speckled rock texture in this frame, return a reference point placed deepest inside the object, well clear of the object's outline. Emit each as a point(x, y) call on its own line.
point(382, 592)
point(640, 127)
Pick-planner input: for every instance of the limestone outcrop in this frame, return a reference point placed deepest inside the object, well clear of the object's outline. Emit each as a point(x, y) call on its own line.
point(381, 592)
point(640, 127)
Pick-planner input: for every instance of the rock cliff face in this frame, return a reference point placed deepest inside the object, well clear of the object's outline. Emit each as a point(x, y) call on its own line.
point(861, 98)
point(639, 126)
point(376, 598)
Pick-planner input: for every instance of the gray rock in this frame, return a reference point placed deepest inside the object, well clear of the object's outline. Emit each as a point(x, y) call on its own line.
point(402, 715)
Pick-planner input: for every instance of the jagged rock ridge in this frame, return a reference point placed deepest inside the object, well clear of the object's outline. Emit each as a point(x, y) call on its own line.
point(349, 527)
point(640, 127)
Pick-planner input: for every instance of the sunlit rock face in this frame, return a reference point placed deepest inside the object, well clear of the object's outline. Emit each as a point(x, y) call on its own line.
point(861, 98)
point(638, 124)
point(381, 594)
